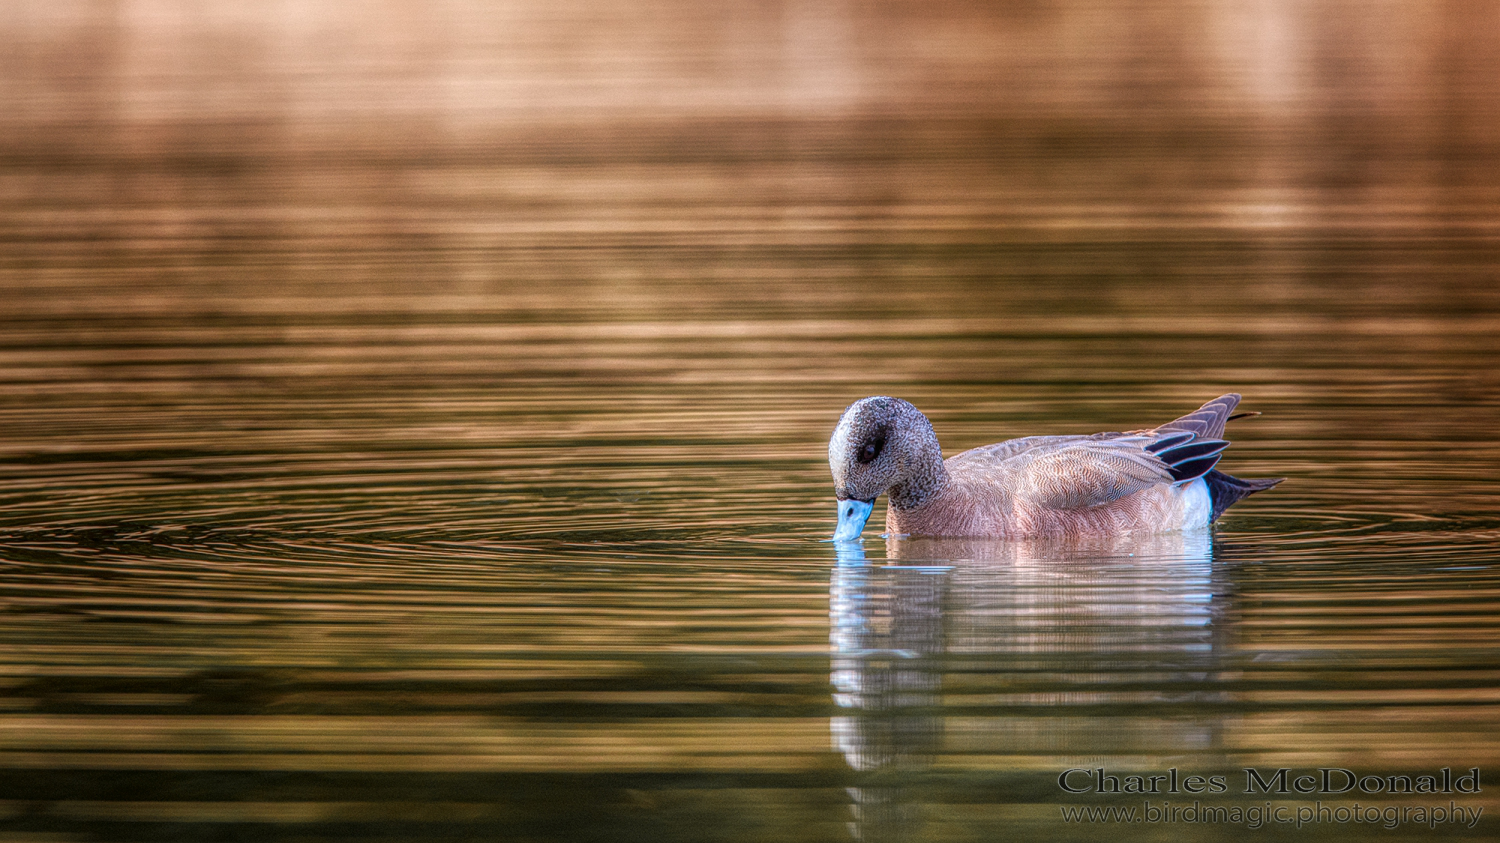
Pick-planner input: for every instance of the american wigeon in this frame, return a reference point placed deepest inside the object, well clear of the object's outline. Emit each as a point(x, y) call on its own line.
point(1153, 480)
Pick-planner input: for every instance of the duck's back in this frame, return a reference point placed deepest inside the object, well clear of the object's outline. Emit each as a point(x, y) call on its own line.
point(1102, 484)
point(1075, 485)
point(988, 457)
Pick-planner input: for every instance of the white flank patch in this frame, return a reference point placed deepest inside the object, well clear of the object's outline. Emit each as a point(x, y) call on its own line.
point(1197, 505)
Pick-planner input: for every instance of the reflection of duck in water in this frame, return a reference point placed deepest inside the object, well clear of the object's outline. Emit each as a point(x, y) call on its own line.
point(982, 654)
point(886, 633)
point(1153, 480)
point(1098, 601)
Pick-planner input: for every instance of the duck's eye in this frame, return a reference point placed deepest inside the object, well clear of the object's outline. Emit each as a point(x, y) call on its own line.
point(870, 450)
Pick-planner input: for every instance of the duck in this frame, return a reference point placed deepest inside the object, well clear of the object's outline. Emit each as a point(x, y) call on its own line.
point(1160, 479)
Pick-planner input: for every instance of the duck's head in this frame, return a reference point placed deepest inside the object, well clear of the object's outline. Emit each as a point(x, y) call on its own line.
point(881, 444)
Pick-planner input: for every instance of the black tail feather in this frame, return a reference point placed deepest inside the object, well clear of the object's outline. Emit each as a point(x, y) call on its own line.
point(1170, 440)
point(1224, 490)
point(1194, 468)
point(1191, 451)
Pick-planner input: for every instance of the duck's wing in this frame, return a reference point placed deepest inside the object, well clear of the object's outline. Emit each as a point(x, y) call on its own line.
point(1078, 472)
point(1096, 471)
point(1088, 473)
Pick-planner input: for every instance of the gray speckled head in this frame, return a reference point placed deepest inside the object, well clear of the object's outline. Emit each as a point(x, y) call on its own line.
point(884, 444)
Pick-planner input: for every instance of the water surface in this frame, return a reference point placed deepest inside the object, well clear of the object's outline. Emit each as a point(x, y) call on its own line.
point(375, 465)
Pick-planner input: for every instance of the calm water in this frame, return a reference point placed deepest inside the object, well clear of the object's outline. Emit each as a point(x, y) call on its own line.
point(394, 445)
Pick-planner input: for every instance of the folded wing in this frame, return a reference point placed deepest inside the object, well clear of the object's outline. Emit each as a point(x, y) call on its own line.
point(1094, 472)
point(1079, 472)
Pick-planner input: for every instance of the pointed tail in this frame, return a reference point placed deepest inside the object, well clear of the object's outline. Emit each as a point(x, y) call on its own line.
point(1224, 490)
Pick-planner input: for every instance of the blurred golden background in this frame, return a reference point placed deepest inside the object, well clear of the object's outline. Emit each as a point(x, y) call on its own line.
point(413, 414)
point(163, 123)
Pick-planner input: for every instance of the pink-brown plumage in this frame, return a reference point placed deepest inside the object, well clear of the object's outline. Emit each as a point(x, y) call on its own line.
point(1152, 480)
